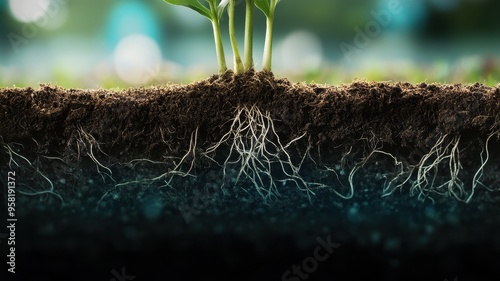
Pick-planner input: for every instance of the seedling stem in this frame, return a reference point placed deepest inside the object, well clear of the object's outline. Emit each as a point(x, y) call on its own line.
point(249, 34)
point(217, 37)
point(268, 45)
point(238, 64)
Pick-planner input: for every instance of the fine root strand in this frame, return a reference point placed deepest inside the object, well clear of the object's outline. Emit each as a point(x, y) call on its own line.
point(88, 143)
point(257, 153)
point(17, 163)
point(177, 170)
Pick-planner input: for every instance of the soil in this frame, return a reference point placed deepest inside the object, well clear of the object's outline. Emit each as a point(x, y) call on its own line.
point(84, 142)
point(129, 121)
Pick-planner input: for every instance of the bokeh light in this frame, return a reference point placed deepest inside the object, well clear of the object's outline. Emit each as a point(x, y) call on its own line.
point(300, 51)
point(137, 59)
point(87, 43)
point(130, 17)
point(28, 10)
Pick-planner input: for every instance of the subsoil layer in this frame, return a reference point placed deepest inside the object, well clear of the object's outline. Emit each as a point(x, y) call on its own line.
point(84, 142)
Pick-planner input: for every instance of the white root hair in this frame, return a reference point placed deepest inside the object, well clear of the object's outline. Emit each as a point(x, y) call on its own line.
point(255, 149)
point(17, 163)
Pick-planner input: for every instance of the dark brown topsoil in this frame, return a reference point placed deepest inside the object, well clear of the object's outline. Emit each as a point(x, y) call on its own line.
point(129, 122)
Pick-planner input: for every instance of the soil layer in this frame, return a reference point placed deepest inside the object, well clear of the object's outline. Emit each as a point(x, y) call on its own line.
point(87, 207)
point(129, 122)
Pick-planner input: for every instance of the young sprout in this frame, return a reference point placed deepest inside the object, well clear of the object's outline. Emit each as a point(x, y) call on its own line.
point(268, 7)
point(249, 34)
point(214, 14)
point(238, 64)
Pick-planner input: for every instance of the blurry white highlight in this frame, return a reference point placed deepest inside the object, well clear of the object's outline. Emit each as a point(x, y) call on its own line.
point(137, 59)
point(28, 10)
point(299, 51)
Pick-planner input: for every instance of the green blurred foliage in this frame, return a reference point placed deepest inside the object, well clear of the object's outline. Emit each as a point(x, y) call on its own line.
point(472, 22)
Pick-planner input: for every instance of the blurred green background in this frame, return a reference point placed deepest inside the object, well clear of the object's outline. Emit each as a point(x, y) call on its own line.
point(120, 43)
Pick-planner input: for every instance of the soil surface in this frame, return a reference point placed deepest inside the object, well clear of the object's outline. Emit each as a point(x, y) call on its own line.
point(113, 179)
point(130, 121)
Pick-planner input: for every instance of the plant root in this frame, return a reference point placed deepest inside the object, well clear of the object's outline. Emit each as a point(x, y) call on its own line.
point(437, 171)
point(87, 143)
point(177, 170)
point(257, 154)
point(342, 166)
point(16, 160)
point(485, 156)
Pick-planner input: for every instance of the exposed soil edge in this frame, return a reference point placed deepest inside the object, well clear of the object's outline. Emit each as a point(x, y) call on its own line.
point(128, 122)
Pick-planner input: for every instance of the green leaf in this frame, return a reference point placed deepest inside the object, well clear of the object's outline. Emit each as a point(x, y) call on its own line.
point(192, 4)
point(263, 5)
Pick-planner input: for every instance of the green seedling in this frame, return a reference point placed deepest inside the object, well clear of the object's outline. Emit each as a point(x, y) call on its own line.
point(249, 34)
point(213, 13)
point(238, 64)
point(268, 7)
